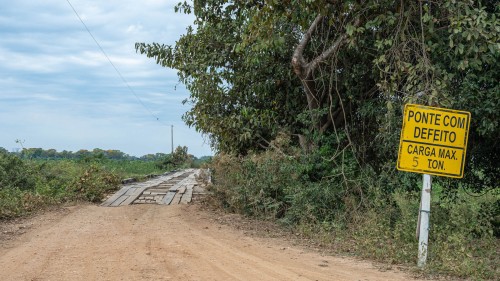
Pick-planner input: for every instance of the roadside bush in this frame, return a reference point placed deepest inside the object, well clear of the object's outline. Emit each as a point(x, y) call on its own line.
point(18, 183)
point(462, 242)
point(463, 237)
point(287, 185)
point(54, 178)
point(15, 202)
point(15, 173)
point(93, 184)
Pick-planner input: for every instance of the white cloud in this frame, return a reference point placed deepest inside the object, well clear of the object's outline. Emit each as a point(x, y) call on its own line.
point(132, 29)
point(57, 89)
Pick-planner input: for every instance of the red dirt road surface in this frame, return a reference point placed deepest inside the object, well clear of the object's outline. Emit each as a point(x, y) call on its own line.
point(153, 242)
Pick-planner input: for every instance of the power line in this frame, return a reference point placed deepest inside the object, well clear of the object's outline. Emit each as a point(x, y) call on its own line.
point(116, 69)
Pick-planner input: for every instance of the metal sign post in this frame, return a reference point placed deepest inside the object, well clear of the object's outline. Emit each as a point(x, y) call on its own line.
point(433, 142)
point(425, 212)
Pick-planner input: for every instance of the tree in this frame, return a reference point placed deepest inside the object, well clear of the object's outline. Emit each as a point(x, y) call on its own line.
point(180, 156)
point(254, 67)
point(242, 94)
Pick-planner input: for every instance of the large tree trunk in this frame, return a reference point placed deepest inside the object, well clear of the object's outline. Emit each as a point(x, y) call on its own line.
point(305, 72)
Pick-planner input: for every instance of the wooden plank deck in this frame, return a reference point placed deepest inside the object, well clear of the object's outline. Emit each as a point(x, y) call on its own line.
point(168, 198)
point(173, 188)
point(188, 194)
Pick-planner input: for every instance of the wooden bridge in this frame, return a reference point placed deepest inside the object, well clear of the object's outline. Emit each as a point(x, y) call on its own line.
point(173, 188)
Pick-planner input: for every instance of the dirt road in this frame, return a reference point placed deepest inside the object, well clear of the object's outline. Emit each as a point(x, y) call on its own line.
point(152, 242)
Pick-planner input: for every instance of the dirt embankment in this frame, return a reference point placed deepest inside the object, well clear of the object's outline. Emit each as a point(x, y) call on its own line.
point(152, 242)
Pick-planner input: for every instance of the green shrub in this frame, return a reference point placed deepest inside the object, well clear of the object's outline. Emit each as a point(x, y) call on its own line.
point(94, 183)
point(463, 240)
point(15, 173)
point(15, 202)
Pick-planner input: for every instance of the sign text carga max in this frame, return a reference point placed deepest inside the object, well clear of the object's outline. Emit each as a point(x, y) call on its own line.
point(433, 140)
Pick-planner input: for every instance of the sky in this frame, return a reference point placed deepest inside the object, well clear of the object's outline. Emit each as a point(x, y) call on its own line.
point(58, 90)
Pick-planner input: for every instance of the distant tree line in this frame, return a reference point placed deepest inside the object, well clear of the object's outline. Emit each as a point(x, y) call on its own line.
point(97, 153)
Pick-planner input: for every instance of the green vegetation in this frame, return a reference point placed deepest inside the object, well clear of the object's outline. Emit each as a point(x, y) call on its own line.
point(303, 101)
point(361, 212)
point(31, 181)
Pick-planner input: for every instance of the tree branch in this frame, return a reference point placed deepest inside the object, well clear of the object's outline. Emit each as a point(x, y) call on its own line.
point(298, 60)
point(328, 52)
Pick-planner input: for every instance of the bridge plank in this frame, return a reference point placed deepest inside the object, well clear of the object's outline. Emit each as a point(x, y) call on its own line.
point(117, 195)
point(188, 195)
point(168, 198)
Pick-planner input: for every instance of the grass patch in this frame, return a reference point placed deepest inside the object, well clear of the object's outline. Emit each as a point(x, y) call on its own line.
point(132, 168)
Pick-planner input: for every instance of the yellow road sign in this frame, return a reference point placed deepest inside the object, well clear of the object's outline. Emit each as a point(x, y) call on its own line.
point(433, 141)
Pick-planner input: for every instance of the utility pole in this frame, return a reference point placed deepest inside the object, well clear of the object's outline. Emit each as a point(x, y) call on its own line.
point(172, 135)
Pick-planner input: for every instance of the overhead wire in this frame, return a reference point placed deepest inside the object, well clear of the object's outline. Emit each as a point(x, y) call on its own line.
point(116, 69)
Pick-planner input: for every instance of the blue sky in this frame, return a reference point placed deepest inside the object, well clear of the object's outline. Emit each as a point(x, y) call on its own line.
point(58, 90)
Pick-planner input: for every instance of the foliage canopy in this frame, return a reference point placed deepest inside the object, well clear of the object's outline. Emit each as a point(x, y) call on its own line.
point(338, 69)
